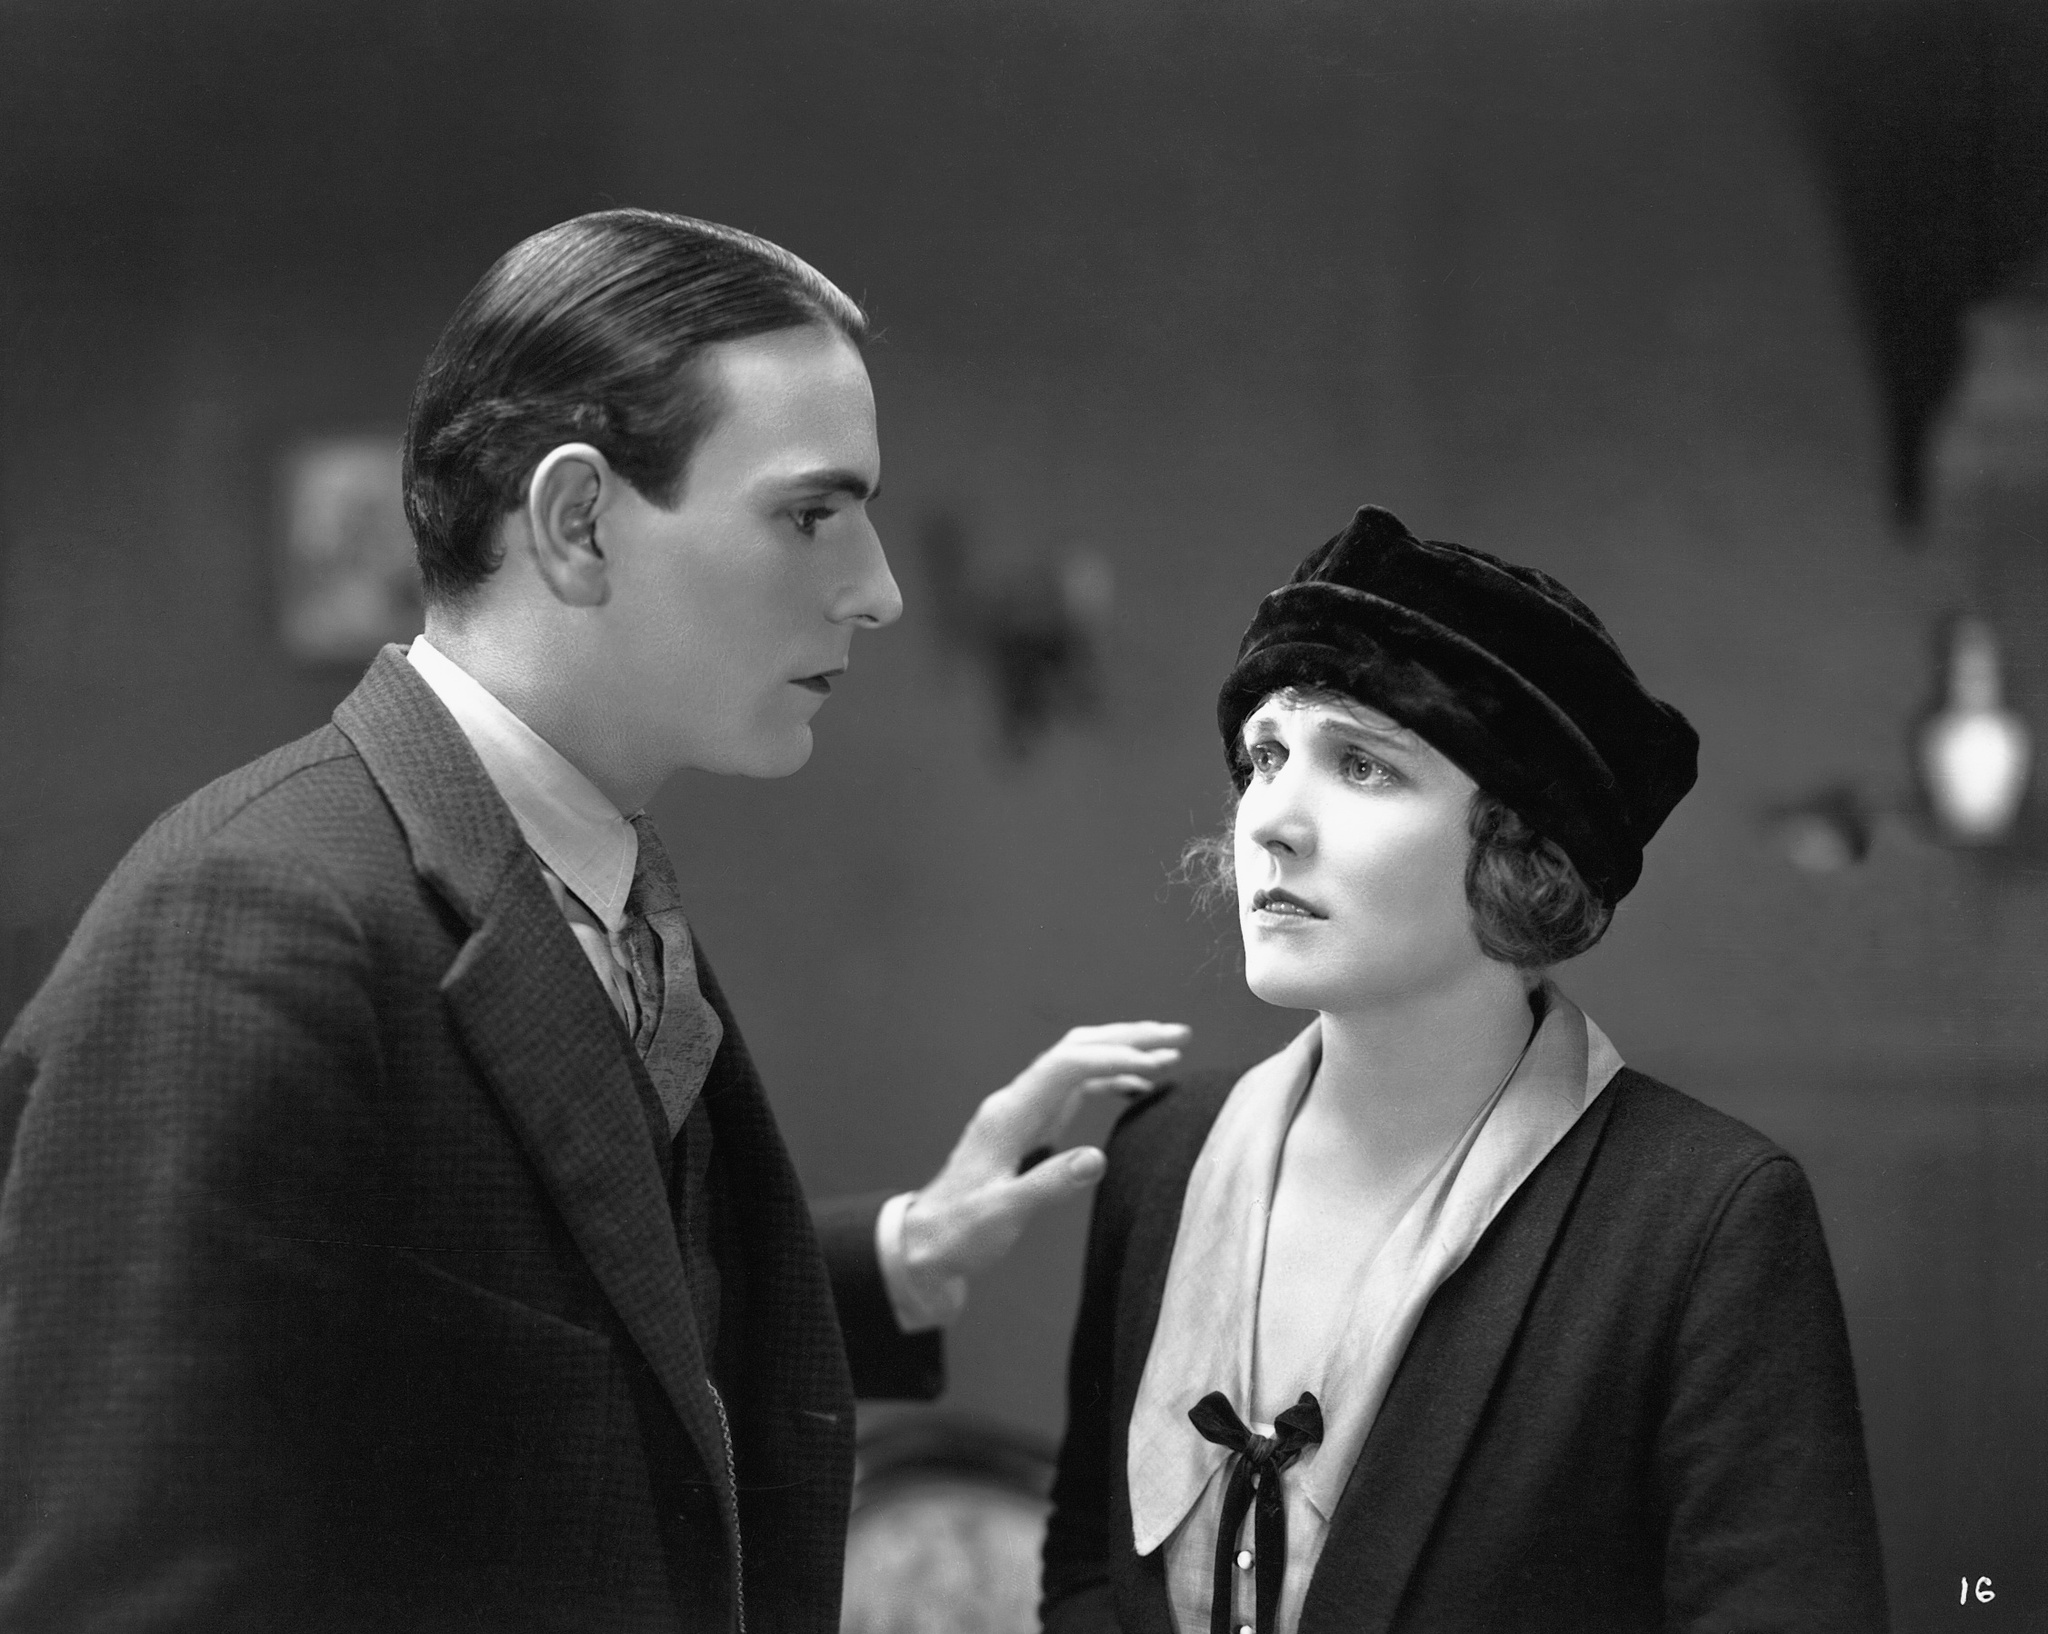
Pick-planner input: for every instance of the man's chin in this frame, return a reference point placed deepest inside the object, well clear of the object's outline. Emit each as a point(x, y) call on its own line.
point(788, 753)
point(776, 751)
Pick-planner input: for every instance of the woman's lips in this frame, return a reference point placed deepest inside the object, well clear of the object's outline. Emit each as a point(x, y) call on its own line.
point(821, 683)
point(1282, 905)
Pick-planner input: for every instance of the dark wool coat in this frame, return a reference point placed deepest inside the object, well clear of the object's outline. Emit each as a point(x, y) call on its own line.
point(340, 1284)
point(1630, 1409)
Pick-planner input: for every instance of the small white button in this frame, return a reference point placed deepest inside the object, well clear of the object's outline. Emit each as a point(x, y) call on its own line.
point(1244, 1628)
point(1244, 1560)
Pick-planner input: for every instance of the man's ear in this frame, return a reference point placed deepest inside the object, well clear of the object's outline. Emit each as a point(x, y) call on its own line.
point(566, 498)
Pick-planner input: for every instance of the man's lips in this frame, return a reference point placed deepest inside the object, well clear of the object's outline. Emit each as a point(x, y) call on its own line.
point(821, 683)
point(1283, 904)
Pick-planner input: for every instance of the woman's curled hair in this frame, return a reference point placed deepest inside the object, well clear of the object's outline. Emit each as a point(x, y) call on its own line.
point(1530, 908)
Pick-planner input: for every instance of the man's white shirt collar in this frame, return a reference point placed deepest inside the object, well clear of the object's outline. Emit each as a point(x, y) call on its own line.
point(581, 839)
point(567, 820)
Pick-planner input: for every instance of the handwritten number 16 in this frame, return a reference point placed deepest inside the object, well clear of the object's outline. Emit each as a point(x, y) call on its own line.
point(1983, 1591)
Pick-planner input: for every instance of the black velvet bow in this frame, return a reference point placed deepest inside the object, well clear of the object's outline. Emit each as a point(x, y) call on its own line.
point(1255, 1465)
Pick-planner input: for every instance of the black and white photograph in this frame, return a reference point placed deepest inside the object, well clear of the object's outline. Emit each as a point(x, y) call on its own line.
point(1023, 816)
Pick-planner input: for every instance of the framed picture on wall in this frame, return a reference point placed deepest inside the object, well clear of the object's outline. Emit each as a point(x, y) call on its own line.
point(348, 582)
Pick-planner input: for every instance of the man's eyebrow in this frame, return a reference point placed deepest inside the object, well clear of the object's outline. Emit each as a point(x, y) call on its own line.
point(835, 480)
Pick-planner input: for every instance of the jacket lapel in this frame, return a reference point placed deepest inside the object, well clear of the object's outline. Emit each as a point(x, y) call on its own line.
point(1142, 1603)
point(1403, 1474)
point(797, 1372)
point(562, 1073)
point(538, 1027)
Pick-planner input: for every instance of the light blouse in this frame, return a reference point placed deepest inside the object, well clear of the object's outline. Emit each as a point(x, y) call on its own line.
point(1206, 1338)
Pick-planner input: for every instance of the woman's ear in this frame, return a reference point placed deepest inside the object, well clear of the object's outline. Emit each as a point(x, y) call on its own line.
point(571, 489)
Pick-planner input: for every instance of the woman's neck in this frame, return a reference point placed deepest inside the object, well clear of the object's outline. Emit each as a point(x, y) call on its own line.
point(1397, 1084)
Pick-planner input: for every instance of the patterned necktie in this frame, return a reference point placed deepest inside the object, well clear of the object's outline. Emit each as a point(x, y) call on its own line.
point(1255, 1465)
point(678, 1032)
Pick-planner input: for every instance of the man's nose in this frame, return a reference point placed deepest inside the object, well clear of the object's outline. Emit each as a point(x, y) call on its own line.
point(870, 597)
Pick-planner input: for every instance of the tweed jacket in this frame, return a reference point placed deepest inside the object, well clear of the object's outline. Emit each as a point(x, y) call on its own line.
point(340, 1281)
point(1631, 1408)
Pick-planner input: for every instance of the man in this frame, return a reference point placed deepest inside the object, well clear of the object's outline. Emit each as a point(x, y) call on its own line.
point(394, 1233)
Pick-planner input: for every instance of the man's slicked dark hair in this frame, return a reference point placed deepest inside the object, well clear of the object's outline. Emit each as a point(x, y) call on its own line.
point(587, 332)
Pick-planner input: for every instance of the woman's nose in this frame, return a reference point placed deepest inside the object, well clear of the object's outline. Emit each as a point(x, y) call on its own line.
point(1276, 817)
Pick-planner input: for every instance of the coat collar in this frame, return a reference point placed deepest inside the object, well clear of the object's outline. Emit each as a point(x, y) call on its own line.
point(566, 820)
point(463, 837)
point(1438, 1396)
point(521, 997)
point(1431, 1409)
point(1208, 1314)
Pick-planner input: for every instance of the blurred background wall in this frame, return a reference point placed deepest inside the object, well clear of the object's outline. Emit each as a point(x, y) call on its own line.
point(1165, 291)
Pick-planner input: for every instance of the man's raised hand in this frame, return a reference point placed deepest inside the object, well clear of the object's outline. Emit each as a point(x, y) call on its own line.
point(971, 1214)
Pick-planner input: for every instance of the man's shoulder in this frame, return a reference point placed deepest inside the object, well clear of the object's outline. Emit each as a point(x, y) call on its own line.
point(296, 834)
point(391, 769)
point(306, 800)
point(258, 865)
point(360, 829)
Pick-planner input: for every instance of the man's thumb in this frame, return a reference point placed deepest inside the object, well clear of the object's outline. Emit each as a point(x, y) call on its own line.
point(1060, 1177)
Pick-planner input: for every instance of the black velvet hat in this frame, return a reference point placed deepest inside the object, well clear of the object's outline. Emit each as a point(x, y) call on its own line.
point(1504, 671)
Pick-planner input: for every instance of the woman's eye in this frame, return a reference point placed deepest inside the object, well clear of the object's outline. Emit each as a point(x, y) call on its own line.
point(1265, 756)
point(1362, 768)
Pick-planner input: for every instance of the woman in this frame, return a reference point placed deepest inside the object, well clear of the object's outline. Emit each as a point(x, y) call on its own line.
point(1442, 1318)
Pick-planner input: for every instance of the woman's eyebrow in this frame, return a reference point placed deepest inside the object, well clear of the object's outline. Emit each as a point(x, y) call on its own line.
point(1345, 726)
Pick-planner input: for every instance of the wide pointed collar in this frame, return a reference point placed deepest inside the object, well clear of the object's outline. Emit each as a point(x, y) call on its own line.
point(568, 820)
point(1207, 1325)
point(462, 835)
point(541, 1031)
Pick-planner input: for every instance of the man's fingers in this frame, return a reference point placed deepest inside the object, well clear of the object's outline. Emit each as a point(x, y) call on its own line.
point(1072, 1063)
point(1144, 1035)
point(1109, 1057)
point(1121, 1083)
point(1066, 1175)
point(968, 1231)
point(1119, 1058)
point(1085, 1166)
point(1039, 1105)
